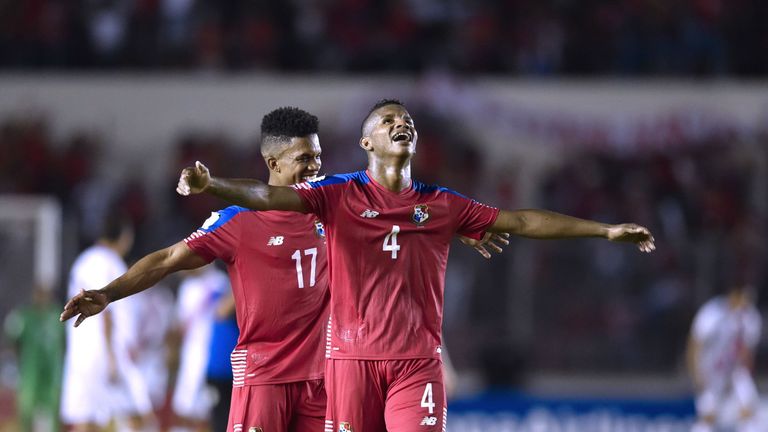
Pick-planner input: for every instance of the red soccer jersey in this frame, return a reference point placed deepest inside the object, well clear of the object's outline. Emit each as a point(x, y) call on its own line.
point(388, 253)
point(278, 269)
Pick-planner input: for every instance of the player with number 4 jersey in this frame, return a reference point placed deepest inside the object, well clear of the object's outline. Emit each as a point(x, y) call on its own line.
point(390, 253)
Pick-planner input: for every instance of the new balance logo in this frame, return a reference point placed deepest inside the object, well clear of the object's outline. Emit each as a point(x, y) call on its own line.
point(275, 241)
point(368, 213)
point(428, 421)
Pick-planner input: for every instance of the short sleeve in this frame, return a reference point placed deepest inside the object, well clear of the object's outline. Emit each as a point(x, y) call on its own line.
point(219, 236)
point(320, 197)
point(474, 218)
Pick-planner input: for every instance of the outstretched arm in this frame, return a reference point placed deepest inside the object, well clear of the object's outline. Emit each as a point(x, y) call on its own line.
point(147, 272)
point(252, 194)
point(543, 224)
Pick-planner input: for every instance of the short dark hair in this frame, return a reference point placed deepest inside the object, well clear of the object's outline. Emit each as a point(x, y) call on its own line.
point(282, 124)
point(377, 105)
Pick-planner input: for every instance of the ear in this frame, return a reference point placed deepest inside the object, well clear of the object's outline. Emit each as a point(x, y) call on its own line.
point(365, 144)
point(273, 164)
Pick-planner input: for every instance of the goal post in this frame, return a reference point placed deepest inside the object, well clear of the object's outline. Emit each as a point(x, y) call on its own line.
point(30, 248)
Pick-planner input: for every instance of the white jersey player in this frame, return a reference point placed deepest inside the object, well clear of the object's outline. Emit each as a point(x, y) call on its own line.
point(90, 364)
point(198, 299)
point(721, 349)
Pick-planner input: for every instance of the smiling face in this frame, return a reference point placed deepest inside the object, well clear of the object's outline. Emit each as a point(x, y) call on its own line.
point(390, 131)
point(297, 162)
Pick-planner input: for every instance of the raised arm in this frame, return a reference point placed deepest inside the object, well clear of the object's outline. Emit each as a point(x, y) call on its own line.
point(543, 224)
point(146, 273)
point(249, 193)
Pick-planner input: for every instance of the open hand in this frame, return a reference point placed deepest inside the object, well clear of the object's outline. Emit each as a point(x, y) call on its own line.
point(85, 303)
point(633, 233)
point(193, 180)
point(492, 241)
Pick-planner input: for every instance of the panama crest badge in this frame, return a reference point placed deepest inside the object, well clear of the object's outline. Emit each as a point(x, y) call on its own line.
point(319, 229)
point(345, 427)
point(420, 214)
point(255, 429)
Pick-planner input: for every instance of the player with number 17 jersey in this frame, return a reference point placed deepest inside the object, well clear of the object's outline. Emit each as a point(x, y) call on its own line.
point(277, 266)
point(389, 254)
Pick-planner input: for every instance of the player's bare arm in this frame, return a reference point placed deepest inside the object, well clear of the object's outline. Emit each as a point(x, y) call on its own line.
point(543, 224)
point(252, 194)
point(146, 273)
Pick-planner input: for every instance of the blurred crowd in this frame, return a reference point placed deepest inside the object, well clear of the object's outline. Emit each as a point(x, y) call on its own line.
point(526, 37)
point(705, 206)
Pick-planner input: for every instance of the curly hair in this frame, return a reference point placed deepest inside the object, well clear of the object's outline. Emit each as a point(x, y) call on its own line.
point(377, 105)
point(282, 124)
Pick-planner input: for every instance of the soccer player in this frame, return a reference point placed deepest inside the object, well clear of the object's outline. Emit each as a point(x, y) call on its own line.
point(721, 350)
point(90, 363)
point(39, 340)
point(278, 271)
point(388, 239)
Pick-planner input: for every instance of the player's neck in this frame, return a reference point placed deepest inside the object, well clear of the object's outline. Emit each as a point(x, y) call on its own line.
point(277, 182)
point(394, 177)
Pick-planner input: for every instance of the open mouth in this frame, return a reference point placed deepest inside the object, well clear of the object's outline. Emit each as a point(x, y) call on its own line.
point(309, 177)
point(402, 137)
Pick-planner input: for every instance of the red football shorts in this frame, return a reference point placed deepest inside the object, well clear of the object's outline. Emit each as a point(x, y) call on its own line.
point(295, 407)
point(385, 395)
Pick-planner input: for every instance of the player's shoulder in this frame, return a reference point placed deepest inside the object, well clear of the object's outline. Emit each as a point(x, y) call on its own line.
point(714, 307)
point(357, 177)
point(426, 188)
point(221, 217)
point(96, 255)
